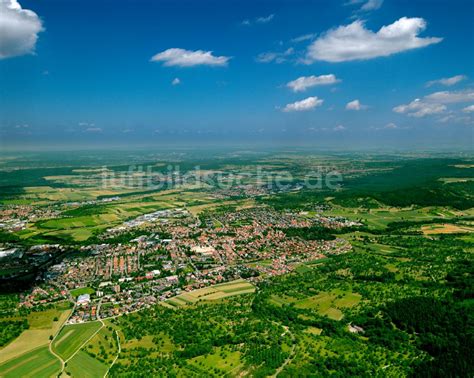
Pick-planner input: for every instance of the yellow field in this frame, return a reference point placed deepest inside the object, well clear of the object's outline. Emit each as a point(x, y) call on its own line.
point(211, 293)
point(445, 229)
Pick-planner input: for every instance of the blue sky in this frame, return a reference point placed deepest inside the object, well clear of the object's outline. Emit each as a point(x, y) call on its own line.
point(118, 72)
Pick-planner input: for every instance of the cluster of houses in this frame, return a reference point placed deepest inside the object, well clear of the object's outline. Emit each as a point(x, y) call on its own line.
point(199, 252)
point(16, 217)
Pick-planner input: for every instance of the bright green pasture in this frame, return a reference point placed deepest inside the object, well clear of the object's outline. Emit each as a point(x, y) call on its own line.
point(229, 362)
point(84, 366)
point(38, 363)
point(329, 304)
point(72, 337)
point(81, 291)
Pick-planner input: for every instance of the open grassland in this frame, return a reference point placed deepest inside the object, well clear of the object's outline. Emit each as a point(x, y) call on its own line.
point(103, 346)
point(42, 326)
point(72, 337)
point(329, 304)
point(212, 293)
point(381, 217)
point(227, 362)
point(38, 363)
point(83, 365)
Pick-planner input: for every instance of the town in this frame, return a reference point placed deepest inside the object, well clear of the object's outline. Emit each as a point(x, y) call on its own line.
point(171, 251)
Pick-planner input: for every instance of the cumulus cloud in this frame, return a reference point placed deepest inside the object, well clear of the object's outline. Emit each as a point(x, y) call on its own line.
point(468, 109)
point(176, 81)
point(19, 29)
point(448, 97)
point(390, 126)
point(434, 103)
point(419, 108)
point(303, 105)
point(447, 81)
point(355, 105)
point(356, 42)
point(187, 58)
point(277, 57)
point(305, 82)
point(259, 20)
point(339, 128)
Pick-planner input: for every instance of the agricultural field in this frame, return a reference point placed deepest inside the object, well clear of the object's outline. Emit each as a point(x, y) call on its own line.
point(212, 293)
point(37, 363)
point(71, 338)
point(82, 365)
point(42, 325)
point(446, 229)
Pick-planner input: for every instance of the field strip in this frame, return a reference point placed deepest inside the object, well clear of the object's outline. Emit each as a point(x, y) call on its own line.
point(20, 364)
point(85, 342)
point(33, 373)
point(65, 336)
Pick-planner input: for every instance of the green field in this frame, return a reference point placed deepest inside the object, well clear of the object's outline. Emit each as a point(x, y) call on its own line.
point(329, 304)
point(227, 362)
point(38, 363)
point(72, 337)
point(83, 290)
point(84, 366)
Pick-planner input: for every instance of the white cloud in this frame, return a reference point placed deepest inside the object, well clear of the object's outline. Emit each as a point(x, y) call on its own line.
point(446, 118)
point(435, 103)
point(264, 20)
point(259, 20)
point(419, 108)
point(304, 37)
point(187, 58)
point(388, 126)
point(176, 81)
point(468, 109)
point(355, 42)
point(303, 105)
point(367, 5)
point(339, 128)
point(94, 130)
point(305, 82)
point(19, 29)
point(355, 105)
point(277, 57)
point(447, 97)
point(452, 118)
point(447, 81)
point(371, 5)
